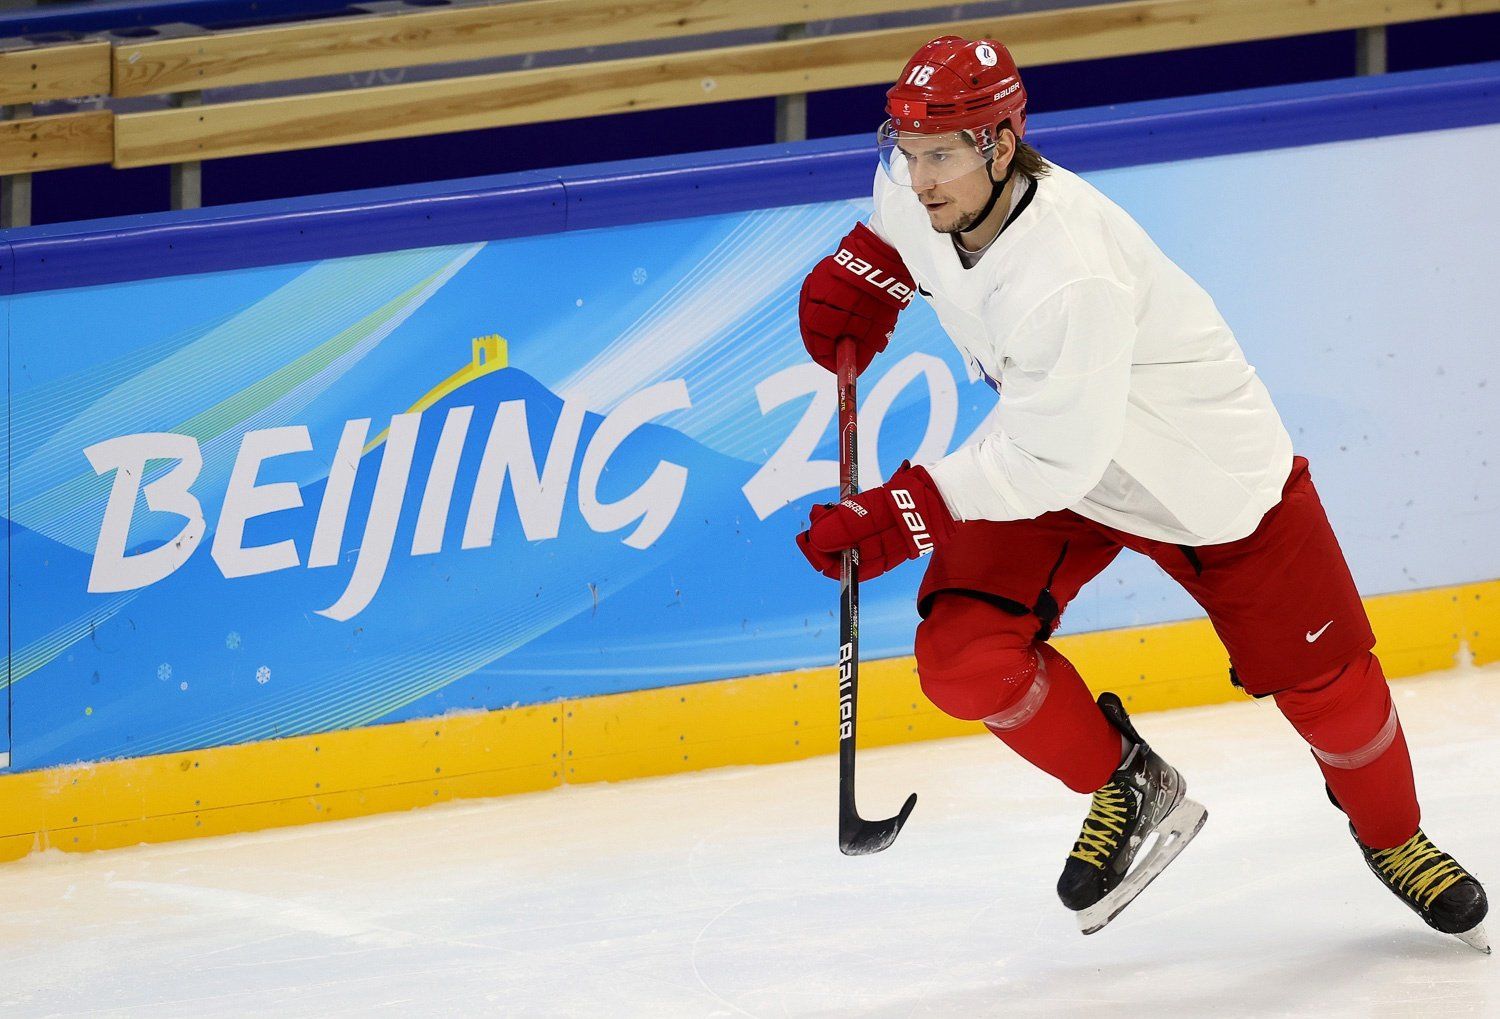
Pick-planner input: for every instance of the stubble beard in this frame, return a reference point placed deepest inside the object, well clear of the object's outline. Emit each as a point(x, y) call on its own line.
point(963, 224)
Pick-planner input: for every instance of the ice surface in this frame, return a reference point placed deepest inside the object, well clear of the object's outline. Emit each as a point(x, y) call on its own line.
point(723, 893)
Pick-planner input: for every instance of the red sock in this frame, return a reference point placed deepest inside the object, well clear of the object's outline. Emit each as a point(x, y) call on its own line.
point(978, 662)
point(1380, 798)
point(1349, 720)
point(1056, 725)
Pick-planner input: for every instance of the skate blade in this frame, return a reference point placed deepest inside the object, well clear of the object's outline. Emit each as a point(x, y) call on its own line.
point(1476, 938)
point(1172, 836)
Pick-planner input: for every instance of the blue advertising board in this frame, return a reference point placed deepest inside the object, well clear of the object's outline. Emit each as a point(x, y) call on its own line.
point(279, 499)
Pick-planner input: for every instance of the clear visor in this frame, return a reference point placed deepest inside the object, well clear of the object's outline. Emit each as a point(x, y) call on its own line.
point(926, 160)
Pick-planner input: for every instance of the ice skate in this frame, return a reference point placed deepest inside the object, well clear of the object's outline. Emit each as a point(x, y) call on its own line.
point(1144, 797)
point(1442, 893)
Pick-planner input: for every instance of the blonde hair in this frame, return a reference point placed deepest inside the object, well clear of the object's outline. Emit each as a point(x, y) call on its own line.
point(1029, 162)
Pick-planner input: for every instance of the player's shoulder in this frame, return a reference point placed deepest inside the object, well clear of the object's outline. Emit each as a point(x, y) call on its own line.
point(899, 216)
point(1065, 201)
point(1067, 232)
point(1079, 206)
point(884, 189)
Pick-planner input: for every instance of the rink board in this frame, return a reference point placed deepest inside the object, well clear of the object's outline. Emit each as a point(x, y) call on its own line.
point(747, 721)
point(477, 524)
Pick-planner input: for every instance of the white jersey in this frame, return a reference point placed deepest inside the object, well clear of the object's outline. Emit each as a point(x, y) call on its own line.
point(1124, 396)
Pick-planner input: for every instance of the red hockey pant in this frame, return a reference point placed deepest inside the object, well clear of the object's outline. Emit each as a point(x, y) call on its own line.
point(1281, 600)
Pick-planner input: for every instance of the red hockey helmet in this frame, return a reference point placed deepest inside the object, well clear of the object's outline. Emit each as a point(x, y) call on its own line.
point(953, 86)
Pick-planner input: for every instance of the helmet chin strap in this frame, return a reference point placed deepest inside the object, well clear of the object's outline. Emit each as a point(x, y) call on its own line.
point(997, 188)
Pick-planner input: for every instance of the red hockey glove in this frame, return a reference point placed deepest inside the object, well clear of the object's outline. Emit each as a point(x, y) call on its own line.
point(898, 521)
point(856, 292)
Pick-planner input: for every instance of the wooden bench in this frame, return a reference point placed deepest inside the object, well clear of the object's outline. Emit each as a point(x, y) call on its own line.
point(717, 75)
point(449, 35)
point(790, 66)
point(30, 144)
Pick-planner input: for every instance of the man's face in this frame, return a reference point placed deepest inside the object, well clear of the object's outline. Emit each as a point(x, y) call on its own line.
point(950, 178)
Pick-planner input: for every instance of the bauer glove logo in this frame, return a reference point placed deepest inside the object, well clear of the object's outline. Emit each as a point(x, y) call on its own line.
point(877, 279)
point(913, 520)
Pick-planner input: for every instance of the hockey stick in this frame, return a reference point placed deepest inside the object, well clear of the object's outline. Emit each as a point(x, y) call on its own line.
point(857, 836)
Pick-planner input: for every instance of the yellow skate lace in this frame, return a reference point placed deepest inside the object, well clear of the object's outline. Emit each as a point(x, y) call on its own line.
point(1418, 869)
point(1102, 828)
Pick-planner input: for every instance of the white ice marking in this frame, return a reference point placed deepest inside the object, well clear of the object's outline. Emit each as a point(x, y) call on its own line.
point(247, 907)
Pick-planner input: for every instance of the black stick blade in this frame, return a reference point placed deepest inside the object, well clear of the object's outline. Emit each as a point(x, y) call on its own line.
point(858, 837)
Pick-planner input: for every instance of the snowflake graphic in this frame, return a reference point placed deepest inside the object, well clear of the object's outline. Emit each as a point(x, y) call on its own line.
point(164, 672)
point(638, 277)
point(263, 675)
point(232, 642)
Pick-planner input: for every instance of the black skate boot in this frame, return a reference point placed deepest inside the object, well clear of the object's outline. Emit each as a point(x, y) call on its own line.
point(1145, 795)
point(1431, 882)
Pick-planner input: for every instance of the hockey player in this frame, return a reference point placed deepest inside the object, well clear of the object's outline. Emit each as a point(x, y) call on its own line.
point(1128, 419)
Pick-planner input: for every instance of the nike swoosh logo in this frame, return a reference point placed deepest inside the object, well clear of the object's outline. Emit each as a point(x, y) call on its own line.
point(1313, 635)
point(923, 291)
